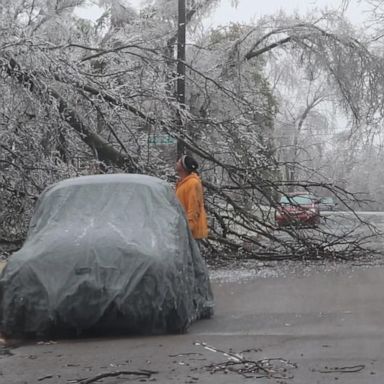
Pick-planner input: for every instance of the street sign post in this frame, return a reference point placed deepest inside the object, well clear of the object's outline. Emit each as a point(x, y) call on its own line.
point(161, 139)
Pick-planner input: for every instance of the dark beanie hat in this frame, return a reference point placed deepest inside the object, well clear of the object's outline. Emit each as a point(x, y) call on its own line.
point(189, 163)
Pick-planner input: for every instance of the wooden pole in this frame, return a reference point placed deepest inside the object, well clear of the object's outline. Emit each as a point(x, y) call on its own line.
point(180, 87)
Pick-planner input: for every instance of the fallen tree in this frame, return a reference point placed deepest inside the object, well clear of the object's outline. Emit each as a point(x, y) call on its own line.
point(97, 113)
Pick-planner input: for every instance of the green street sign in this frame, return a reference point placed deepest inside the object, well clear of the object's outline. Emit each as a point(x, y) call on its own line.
point(161, 139)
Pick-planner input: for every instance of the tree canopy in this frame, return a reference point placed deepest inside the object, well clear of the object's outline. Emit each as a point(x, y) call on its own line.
point(81, 97)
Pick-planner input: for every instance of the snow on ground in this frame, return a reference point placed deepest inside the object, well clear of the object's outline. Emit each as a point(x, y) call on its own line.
point(243, 271)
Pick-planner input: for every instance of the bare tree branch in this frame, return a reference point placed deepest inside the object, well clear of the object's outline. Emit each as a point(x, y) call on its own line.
point(105, 151)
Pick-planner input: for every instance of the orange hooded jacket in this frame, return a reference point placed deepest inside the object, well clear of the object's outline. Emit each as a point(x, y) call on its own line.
point(190, 193)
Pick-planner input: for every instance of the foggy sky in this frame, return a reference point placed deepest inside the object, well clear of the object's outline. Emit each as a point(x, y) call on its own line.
point(254, 9)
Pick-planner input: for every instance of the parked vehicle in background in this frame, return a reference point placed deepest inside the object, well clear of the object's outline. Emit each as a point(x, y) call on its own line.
point(298, 208)
point(327, 204)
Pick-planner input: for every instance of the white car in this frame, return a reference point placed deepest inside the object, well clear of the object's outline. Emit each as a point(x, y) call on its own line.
point(327, 204)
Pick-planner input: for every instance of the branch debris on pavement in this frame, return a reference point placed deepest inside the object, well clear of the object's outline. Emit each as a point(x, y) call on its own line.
point(185, 354)
point(276, 368)
point(100, 376)
point(353, 369)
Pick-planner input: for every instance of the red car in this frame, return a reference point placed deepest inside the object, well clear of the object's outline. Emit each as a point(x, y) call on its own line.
point(298, 209)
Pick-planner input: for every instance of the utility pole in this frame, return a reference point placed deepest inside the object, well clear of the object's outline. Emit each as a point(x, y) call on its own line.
point(180, 87)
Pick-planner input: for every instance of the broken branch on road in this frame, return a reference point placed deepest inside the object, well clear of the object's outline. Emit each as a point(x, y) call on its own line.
point(353, 369)
point(276, 368)
point(144, 373)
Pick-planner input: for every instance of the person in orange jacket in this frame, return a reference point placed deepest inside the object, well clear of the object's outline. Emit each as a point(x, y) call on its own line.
point(189, 191)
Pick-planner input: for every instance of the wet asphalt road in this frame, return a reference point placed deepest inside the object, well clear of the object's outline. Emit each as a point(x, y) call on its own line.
point(324, 320)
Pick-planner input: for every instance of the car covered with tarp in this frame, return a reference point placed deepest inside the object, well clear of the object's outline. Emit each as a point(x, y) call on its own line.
point(105, 253)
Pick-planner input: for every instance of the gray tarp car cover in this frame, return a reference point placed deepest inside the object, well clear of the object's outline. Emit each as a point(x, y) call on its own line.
point(107, 252)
